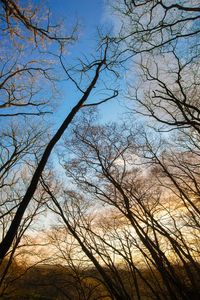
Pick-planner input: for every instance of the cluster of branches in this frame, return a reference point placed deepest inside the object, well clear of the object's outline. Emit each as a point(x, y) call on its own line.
point(26, 33)
point(145, 203)
point(155, 25)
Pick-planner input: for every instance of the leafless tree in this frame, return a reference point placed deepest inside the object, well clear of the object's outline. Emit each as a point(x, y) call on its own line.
point(105, 167)
point(148, 26)
point(92, 71)
point(25, 70)
point(19, 20)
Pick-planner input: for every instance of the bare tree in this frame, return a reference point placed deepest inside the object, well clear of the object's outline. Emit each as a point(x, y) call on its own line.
point(93, 70)
point(148, 26)
point(105, 167)
point(19, 20)
point(164, 36)
point(28, 37)
point(9, 277)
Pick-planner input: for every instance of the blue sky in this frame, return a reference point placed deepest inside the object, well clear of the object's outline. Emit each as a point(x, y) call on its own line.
point(89, 12)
